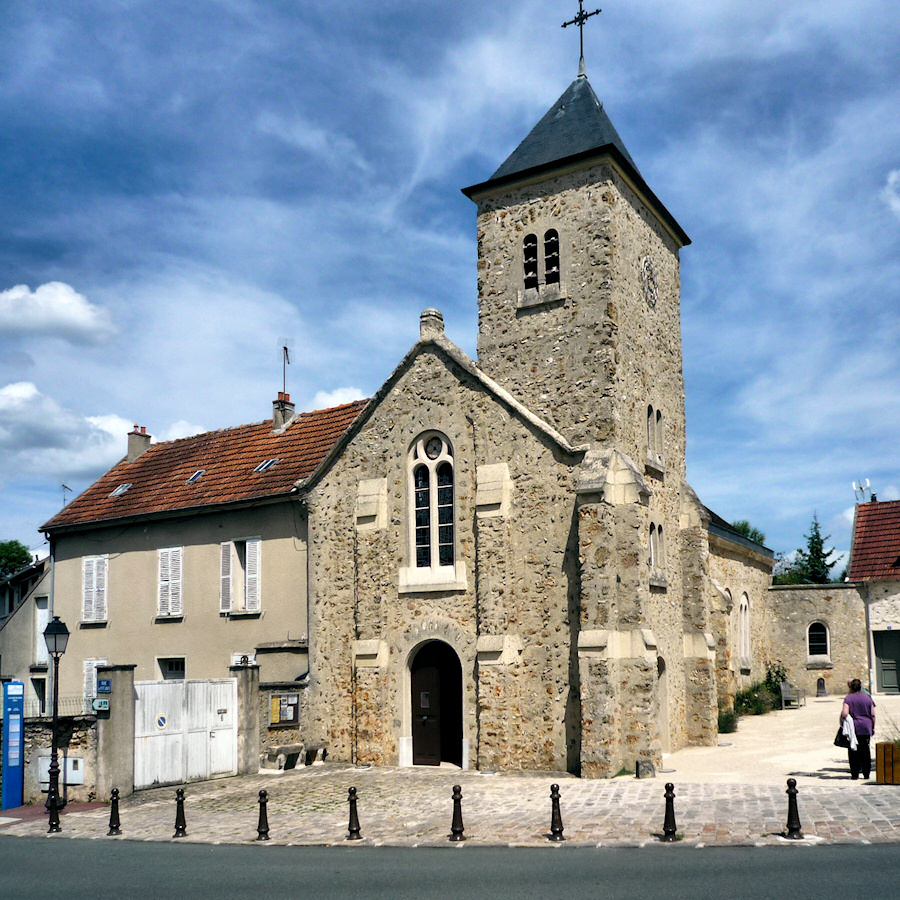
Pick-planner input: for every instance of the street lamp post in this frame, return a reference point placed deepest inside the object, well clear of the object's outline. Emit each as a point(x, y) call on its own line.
point(57, 636)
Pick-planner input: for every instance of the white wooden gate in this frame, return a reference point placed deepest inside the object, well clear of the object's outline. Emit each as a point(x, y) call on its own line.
point(184, 731)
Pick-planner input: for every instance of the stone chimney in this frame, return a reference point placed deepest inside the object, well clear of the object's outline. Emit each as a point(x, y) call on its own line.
point(431, 324)
point(282, 411)
point(138, 443)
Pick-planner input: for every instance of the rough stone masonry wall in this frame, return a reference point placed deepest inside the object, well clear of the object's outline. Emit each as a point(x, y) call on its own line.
point(77, 738)
point(840, 607)
point(739, 571)
point(518, 582)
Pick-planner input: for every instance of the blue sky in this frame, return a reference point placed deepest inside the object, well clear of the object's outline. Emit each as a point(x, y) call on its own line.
point(183, 185)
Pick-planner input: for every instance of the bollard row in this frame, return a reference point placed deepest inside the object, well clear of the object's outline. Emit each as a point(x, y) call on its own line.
point(457, 829)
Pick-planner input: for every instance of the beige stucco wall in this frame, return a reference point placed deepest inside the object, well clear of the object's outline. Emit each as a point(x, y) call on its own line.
point(23, 655)
point(134, 634)
point(841, 609)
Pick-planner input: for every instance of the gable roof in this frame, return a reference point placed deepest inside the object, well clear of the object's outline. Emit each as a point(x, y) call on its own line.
point(875, 554)
point(453, 354)
point(575, 131)
point(158, 478)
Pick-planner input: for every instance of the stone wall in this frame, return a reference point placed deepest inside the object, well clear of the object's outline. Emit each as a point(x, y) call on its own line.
point(77, 741)
point(840, 607)
point(276, 734)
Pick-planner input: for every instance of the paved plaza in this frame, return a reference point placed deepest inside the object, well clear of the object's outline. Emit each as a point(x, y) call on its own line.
point(733, 794)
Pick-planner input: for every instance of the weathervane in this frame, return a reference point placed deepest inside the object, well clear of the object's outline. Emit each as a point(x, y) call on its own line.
point(579, 20)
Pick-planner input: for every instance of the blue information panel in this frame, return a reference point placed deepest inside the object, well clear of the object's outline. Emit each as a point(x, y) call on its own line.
point(13, 735)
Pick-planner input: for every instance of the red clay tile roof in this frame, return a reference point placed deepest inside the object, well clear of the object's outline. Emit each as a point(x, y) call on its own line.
point(876, 542)
point(159, 477)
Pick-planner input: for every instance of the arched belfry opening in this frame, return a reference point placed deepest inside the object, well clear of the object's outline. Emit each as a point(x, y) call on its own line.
point(436, 698)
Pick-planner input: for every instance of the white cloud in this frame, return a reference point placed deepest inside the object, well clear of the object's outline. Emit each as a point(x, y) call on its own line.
point(336, 150)
point(53, 309)
point(337, 397)
point(891, 192)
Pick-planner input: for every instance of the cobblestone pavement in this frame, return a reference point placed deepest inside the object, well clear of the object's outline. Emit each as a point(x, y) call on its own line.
point(413, 807)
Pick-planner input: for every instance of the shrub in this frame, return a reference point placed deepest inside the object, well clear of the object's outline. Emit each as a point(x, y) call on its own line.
point(754, 700)
point(728, 721)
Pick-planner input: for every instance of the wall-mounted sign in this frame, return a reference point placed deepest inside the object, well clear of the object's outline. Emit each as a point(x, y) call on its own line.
point(99, 704)
point(104, 686)
point(284, 709)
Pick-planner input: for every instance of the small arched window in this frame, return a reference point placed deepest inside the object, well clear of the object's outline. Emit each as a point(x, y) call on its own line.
point(433, 503)
point(551, 256)
point(654, 549)
point(744, 631)
point(651, 430)
point(817, 639)
point(530, 255)
point(658, 435)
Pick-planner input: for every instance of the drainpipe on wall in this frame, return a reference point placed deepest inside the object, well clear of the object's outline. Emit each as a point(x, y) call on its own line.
point(870, 654)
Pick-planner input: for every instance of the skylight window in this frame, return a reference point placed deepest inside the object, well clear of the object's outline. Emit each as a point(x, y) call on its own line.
point(196, 476)
point(120, 490)
point(266, 465)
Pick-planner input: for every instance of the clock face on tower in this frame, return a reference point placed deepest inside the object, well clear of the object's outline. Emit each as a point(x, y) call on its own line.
point(648, 277)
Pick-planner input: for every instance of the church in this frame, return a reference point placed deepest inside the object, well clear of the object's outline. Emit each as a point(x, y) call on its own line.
point(494, 563)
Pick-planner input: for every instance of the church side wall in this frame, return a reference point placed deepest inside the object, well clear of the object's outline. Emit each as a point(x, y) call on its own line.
point(510, 623)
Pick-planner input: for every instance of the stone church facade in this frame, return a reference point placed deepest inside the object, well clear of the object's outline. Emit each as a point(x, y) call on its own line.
point(508, 568)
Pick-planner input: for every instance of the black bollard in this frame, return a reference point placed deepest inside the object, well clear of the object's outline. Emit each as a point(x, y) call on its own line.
point(456, 826)
point(669, 827)
point(793, 822)
point(262, 827)
point(353, 828)
point(114, 822)
point(556, 825)
point(180, 824)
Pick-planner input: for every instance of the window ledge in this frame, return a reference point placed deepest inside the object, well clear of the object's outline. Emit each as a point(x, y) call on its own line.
point(38, 667)
point(414, 580)
point(542, 295)
point(659, 583)
point(819, 662)
point(161, 618)
point(242, 614)
point(93, 623)
point(654, 466)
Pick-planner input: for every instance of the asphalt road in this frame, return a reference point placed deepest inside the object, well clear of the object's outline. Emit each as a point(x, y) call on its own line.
point(32, 868)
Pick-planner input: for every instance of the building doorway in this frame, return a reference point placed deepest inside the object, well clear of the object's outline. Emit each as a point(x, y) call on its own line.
point(887, 661)
point(436, 688)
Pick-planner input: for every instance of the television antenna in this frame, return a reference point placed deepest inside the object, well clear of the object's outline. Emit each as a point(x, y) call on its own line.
point(286, 346)
point(65, 488)
point(862, 491)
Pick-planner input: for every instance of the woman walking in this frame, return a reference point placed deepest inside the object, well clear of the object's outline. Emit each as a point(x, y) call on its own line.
point(861, 708)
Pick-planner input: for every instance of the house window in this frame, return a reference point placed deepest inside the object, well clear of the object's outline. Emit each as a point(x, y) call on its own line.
point(817, 639)
point(169, 594)
point(94, 593)
point(41, 621)
point(90, 681)
point(551, 257)
point(530, 255)
point(239, 588)
point(432, 477)
point(172, 668)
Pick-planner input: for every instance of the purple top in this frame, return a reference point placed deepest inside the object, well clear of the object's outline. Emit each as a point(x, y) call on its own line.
point(862, 708)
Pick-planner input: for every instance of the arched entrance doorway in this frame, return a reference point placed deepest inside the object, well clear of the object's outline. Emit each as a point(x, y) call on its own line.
point(436, 689)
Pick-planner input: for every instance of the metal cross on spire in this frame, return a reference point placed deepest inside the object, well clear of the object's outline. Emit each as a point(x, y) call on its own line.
point(579, 20)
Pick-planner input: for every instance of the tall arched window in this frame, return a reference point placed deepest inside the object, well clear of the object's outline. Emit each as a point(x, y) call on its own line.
point(654, 551)
point(433, 505)
point(817, 639)
point(551, 256)
point(530, 256)
point(744, 631)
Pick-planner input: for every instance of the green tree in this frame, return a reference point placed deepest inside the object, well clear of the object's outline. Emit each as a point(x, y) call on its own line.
point(14, 555)
point(809, 566)
point(749, 531)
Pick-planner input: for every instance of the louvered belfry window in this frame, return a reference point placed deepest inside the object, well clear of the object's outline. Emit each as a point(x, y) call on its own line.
point(433, 502)
point(530, 252)
point(551, 257)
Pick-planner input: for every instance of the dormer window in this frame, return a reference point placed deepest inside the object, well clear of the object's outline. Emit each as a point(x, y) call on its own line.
point(266, 465)
point(196, 476)
point(120, 490)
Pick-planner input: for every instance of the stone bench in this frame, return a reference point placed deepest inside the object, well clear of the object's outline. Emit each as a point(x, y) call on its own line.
point(294, 756)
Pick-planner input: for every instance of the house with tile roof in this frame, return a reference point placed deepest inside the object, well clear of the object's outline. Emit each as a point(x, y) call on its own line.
point(493, 562)
point(875, 567)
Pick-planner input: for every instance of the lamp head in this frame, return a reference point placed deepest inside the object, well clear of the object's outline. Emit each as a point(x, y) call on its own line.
point(57, 636)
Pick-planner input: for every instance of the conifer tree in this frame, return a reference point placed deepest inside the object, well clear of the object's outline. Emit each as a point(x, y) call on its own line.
point(815, 562)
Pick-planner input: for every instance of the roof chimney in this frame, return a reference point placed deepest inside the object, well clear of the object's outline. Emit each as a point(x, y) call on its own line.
point(282, 411)
point(431, 324)
point(138, 443)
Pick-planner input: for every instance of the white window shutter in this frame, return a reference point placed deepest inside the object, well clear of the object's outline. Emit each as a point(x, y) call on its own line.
point(100, 570)
point(175, 607)
point(87, 603)
point(163, 608)
point(225, 578)
point(251, 591)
